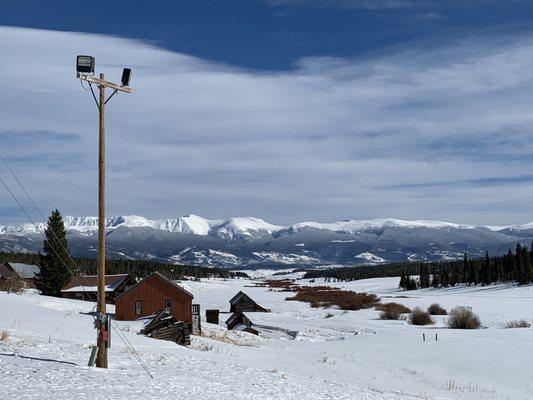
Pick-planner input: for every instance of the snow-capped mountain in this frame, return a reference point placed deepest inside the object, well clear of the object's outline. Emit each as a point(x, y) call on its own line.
point(252, 242)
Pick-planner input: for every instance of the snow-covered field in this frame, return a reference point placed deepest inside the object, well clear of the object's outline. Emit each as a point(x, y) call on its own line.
point(336, 354)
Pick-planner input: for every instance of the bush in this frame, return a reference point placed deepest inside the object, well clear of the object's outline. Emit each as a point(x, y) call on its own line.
point(463, 318)
point(436, 309)
point(522, 323)
point(325, 297)
point(389, 314)
point(393, 307)
point(420, 317)
point(4, 336)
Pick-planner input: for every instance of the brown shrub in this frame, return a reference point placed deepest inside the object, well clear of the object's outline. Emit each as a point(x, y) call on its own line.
point(463, 318)
point(4, 336)
point(522, 323)
point(436, 309)
point(345, 300)
point(420, 317)
point(389, 314)
point(393, 307)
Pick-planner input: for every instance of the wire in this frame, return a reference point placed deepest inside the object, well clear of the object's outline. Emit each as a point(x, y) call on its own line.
point(114, 325)
point(83, 86)
point(94, 96)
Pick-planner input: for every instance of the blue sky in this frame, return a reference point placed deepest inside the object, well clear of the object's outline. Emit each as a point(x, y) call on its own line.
point(272, 34)
point(288, 110)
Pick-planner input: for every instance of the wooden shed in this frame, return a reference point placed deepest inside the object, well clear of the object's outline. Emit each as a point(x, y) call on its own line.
point(25, 272)
point(85, 287)
point(152, 294)
point(241, 302)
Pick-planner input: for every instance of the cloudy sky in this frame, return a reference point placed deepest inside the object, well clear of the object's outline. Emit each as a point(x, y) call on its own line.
point(287, 110)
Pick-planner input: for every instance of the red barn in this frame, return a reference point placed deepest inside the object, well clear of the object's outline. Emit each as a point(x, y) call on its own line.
point(151, 295)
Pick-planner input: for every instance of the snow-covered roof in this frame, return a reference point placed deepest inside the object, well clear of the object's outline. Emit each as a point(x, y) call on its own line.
point(89, 283)
point(86, 289)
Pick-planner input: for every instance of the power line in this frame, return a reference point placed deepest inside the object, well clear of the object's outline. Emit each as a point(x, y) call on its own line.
point(114, 325)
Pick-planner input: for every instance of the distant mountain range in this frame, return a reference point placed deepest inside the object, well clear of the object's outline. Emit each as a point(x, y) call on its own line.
point(254, 243)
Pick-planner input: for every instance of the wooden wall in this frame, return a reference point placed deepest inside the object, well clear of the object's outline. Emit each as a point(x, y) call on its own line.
point(153, 291)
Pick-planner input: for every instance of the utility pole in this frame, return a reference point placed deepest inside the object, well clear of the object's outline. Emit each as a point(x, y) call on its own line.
point(85, 69)
point(103, 333)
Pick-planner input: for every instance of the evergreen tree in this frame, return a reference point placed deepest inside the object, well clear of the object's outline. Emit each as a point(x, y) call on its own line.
point(55, 261)
point(403, 280)
point(517, 265)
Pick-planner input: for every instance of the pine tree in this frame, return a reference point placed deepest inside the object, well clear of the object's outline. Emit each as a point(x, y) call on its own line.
point(54, 262)
point(403, 280)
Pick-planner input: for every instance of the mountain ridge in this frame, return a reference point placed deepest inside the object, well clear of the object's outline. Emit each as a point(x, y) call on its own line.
point(249, 242)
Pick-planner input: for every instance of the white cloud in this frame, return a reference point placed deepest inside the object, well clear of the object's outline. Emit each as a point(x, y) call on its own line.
point(386, 135)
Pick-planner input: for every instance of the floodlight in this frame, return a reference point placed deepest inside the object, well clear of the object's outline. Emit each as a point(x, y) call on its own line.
point(126, 77)
point(85, 65)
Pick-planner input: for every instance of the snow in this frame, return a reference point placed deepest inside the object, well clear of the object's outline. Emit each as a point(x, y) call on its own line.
point(369, 257)
point(355, 226)
point(285, 258)
point(247, 226)
point(244, 226)
point(349, 355)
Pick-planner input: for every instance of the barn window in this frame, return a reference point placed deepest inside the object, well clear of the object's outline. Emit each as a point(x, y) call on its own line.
point(138, 307)
point(168, 303)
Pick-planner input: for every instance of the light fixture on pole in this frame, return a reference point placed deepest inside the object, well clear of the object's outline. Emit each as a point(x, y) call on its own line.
point(85, 72)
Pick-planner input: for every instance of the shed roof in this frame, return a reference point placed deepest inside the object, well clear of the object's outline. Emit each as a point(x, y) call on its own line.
point(24, 271)
point(161, 277)
point(89, 283)
point(238, 296)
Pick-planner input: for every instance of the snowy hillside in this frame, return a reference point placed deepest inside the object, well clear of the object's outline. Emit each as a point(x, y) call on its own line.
point(336, 354)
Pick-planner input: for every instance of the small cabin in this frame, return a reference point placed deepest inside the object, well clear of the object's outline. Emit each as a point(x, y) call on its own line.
point(241, 302)
point(85, 287)
point(150, 295)
point(25, 272)
point(240, 322)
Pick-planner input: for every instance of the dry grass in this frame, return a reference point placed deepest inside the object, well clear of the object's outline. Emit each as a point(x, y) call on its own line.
point(326, 297)
point(4, 336)
point(436, 309)
point(521, 323)
point(463, 318)
point(393, 307)
point(420, 317)
point(390, 314)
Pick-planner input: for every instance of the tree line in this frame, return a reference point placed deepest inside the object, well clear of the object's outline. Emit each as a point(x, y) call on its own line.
point(514, 267)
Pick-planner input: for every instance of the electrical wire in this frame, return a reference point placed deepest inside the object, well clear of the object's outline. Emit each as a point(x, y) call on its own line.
point(114, 325)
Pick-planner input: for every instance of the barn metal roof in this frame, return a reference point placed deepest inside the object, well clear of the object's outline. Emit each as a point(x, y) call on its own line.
point(24, 271)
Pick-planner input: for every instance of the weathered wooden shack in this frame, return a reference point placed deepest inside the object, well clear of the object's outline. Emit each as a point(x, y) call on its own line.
point(239, 321)
point(151, 295)
point(25, 272)
point(241, 302)
point(85, 287)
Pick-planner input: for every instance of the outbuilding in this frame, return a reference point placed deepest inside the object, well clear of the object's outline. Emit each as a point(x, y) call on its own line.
point(25, 272)
point(85, 287)
point(241, 302)
point(150, 295)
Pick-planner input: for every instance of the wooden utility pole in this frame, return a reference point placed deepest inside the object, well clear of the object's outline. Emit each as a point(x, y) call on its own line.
point(102, 322)
point(101, 360)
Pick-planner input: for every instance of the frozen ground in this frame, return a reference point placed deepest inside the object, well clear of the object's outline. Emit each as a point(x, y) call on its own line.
point(349, 355)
